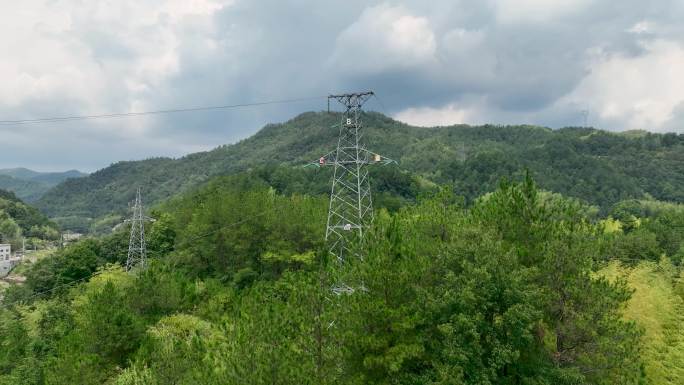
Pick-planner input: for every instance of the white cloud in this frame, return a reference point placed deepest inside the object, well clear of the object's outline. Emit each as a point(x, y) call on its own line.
point(93, 57)
point(522, 11)
point(634, 92)
point(641, 27)
point(468, 58)
point(430, 117)
point(385, 37)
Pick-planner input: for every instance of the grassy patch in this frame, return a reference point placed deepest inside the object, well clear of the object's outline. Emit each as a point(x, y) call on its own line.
point(658, 308)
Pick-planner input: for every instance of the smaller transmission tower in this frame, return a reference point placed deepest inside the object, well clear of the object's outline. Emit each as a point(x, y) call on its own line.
point(585, 118)
point(137, 253)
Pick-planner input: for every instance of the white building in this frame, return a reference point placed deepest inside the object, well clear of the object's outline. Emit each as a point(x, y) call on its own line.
point(70, 237)
point(6, 260)
point(5, 252)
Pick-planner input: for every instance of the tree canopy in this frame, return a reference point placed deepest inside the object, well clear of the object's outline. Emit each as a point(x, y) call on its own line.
point(509, 288)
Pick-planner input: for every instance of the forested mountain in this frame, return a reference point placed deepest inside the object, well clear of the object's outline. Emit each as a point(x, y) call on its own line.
point(30, 185)
point(18, 219)
point(596, 166)
point(26, 189)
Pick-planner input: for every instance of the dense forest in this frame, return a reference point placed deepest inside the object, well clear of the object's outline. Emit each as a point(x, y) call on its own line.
point(18, 220)
point(26, 189)
point(516, 286)
point(599, 167)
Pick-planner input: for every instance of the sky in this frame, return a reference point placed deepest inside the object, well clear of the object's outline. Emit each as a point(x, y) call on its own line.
point(437, 62)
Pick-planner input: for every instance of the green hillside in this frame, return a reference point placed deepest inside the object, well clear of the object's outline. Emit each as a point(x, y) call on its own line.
point(30, 185)
point(599, 167)
point(657, 306)
point(18, 219)
point(25, 189)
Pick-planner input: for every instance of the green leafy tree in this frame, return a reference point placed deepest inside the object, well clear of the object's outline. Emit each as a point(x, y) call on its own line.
point(581, 311)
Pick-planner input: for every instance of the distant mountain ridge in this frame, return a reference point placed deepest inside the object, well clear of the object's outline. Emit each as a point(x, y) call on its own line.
point(30, 185)
point(48, 177)
point(599, 167)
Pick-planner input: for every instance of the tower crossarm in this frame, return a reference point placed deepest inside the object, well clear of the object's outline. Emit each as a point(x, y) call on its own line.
point(356, 99)
point(366, 157)
point(144, 218)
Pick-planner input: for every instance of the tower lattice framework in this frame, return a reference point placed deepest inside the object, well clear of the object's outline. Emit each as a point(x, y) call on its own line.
point(137, 252)
point(350, 210)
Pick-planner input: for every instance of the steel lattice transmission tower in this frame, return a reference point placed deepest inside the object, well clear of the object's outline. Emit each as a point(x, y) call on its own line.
point(137, 253)
point(351, 206)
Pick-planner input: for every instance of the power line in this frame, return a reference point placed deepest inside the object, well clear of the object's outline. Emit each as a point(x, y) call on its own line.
point(38, 294)
point(382, 105)
point(155, 112)
point(353, 109)
point(217, 229)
